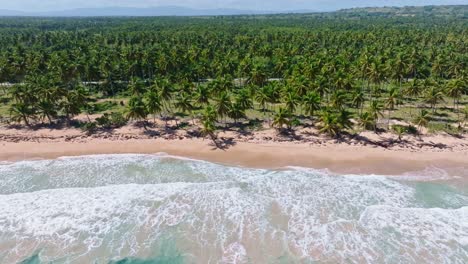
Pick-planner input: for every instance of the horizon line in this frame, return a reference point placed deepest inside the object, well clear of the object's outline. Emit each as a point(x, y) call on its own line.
point(261, 11)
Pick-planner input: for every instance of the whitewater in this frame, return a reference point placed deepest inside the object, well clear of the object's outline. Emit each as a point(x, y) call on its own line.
point(164, 209)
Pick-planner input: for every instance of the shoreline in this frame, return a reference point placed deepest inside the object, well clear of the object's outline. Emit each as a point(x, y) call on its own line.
point(362, 153)
point(338, 158)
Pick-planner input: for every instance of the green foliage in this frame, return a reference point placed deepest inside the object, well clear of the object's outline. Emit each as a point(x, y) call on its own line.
point(363, 61)
point(136, 109)
point(237, 111)
point(401, 130)
point(223, 104)
point(433, 96)
point(102, 107)
point(282, 118)
point(466, 113)
point(153, 103)
point(112, 120)
point(312, 103)
point(184, 103)
point(412, 130)
point(367, 121)
point(434, 127)
point(209, 122)
point(89, 127)
point(422, 120)
point(375, 110)
point(333, 121)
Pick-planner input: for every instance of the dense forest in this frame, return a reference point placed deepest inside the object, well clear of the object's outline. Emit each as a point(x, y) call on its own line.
point(341, 72)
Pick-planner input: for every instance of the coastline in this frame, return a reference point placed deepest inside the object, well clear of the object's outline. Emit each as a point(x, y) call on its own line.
point(362, 153)
point(338, 158)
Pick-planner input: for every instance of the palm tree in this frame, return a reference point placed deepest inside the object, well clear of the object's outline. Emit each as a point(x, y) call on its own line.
point(329, 122)
point(400, 131)
point(422, 120)
point(375, 110)
point(73, 102)
point(367, 121)
point(262, 98)
point(46, 109)
point(413, 90)
point(338, 99)
point(243, 98)
point(21, 112)
point(202, 95)
point(375, 73)
point(282, 118)
point(165, 90)
point(209, 113)
point(466, 113)
point(358, 99)
point(209, 129)
point(136, 86)
point(223, 104)
point(455, 89)
point(344, 119)
point(136, 109)
point(208, 119)
point(311, 102)
point(433, 96)
point(291, 101)
point(184, 103)
point(153, 103)
point(236, 111)
point(393, 99)
point(258, 75)
point(335, 121)
point(398, 68)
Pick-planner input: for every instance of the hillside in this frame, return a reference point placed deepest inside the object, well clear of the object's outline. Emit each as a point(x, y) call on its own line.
point(439, 11)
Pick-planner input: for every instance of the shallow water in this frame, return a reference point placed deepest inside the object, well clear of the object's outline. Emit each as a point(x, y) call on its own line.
point(163, 209)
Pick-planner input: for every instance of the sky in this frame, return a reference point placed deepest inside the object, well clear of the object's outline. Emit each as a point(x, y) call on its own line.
point(270, 5)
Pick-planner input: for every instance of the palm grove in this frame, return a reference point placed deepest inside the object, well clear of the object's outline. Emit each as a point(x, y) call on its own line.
point(331, 71)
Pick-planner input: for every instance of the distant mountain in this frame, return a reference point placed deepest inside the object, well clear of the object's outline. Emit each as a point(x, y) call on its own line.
point(151, 11)
point(441, 10)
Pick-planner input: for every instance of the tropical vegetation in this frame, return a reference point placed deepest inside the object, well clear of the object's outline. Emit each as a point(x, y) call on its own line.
point(332, 71)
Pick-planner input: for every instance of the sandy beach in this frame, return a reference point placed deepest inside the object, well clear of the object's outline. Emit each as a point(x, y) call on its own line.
point(366, 154)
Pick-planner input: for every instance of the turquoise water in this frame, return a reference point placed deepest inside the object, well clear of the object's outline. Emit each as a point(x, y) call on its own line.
point(163, 209)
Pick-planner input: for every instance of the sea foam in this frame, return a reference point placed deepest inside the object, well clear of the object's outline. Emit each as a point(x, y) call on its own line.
point(109, 207)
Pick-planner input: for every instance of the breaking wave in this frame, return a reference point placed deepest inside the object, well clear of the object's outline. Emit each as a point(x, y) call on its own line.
point(132, 208)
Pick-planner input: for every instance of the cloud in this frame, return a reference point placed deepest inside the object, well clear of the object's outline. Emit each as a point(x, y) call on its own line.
point(47, 5)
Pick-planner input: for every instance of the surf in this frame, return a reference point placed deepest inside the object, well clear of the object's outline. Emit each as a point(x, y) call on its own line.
point(109, 208)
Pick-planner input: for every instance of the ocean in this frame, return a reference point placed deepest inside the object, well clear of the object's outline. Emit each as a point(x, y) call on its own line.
point(165, 209)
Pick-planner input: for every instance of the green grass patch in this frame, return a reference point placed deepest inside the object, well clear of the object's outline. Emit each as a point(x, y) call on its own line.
point(437, 127)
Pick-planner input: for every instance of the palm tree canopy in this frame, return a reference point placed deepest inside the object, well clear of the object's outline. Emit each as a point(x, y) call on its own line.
point(282, 117)
point(312, 102)
point(136, 109)
point(223, 104)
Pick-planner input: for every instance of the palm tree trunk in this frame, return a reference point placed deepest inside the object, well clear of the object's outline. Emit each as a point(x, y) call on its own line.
point(48, 118)
point(388, 119)
point(25, 118)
